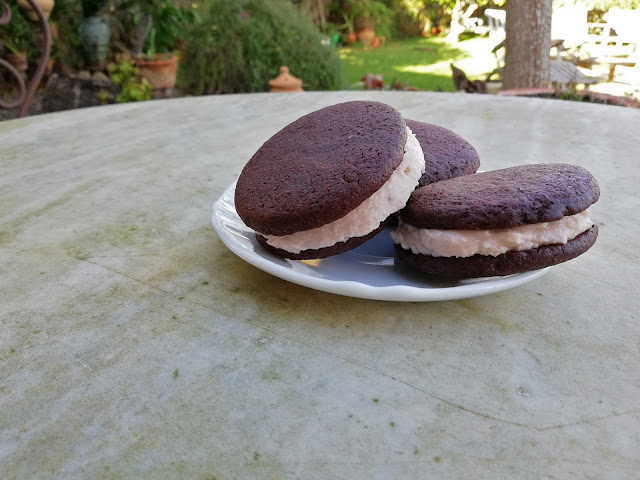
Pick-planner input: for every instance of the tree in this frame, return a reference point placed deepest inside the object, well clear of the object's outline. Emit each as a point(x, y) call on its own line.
point(527, 44)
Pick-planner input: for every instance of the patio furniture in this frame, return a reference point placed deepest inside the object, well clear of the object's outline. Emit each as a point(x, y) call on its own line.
point(134, 343)
point(611, 43)
point(563, 72)
point(496, 22)
point(613, 62)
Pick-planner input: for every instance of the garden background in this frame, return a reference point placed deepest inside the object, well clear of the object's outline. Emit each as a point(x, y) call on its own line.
point(125, 50)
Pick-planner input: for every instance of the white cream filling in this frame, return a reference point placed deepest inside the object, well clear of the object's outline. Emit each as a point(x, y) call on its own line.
point(466, 243)
point(365, 218)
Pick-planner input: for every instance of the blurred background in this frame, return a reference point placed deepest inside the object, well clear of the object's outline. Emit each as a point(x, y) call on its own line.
point(123, 50)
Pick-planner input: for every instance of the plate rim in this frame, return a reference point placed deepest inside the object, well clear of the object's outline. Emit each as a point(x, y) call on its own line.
point(349, 288)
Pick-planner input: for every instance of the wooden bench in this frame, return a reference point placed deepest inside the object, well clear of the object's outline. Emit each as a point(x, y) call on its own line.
point(607, 48)
point(610, 43)
point(613, 62)
point(564, 72)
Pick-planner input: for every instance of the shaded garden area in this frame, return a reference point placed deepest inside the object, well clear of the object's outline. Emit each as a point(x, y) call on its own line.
point(112, 51)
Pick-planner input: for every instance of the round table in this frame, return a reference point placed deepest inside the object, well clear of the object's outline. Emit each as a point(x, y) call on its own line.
point(134, 343)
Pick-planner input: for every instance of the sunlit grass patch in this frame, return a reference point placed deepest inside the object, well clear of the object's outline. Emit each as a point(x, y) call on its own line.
point(423, 63)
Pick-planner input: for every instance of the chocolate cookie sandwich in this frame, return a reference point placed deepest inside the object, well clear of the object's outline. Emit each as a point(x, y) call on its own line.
point(500, 222)
point(325, 183)
point(446, 154)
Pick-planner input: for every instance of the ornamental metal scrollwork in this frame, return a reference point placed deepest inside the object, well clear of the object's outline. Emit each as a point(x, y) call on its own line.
point(25, 94)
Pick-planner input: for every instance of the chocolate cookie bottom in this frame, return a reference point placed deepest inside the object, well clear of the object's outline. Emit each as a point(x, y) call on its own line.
point(340, 247)
point(506, 264)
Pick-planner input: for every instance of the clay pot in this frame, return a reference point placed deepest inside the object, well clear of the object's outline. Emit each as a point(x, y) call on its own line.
point(375, 43)
point(285, 82)
point(351, 38)
point(366, 36)
point(19, 62)
point(45, 5)
point(160, 71)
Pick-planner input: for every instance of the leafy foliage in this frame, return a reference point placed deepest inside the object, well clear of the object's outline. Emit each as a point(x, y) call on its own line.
point(348, 15)
point(364, 13)
point(67, 47)
point(124, 75)
point(451, 3)
point(167, 23)
point(370, 12)
point(90, 8)
point(240, 44)
point(17, 35)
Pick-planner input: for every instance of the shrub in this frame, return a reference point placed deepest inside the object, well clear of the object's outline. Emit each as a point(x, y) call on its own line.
point(153, 26)
point(67, 47)
point(125, 76)
point(17, 36)
point(240, 44)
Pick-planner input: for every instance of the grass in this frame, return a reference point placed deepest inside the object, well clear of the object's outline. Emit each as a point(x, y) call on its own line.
point(422, 63)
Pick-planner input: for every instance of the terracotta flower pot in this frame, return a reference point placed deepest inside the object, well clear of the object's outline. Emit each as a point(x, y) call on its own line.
point(161, 72)
point(351, 38)
point(45, 5)
point(366, 36)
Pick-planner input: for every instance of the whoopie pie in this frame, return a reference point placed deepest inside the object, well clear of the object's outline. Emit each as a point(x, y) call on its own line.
point(499, 222)
point(325, 183)
point(446, 154)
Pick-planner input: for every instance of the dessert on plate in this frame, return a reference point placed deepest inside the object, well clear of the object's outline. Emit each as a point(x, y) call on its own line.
point(325, 183)
point(446, 154)
point(499, 222)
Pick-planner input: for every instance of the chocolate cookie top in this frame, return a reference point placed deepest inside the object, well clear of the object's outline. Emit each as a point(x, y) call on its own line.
point(320, 167)
point(446, 154)
point(502, 198)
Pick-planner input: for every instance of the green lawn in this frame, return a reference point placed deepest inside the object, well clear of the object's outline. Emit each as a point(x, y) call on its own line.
point(419, 62)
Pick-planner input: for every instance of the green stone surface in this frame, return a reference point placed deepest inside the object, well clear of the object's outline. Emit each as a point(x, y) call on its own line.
point(134, 344)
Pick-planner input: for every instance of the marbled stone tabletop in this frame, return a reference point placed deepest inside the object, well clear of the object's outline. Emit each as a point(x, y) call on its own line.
point(133, 343)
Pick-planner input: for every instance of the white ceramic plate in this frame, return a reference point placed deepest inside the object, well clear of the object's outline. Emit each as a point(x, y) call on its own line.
point(369, 271)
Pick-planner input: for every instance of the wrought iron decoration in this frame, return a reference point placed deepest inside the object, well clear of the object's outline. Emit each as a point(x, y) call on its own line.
point(25, 94)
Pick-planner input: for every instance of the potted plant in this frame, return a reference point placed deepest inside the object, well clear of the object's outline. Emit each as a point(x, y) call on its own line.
point(348, 16)
point(67, 47)
point(369, 14)
point(331, 35)
point(95, 32)
point(159, 27)
point(16, 39)
point(127, 79)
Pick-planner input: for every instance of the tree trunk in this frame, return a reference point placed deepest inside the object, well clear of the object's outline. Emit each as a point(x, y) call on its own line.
point(528, 42)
